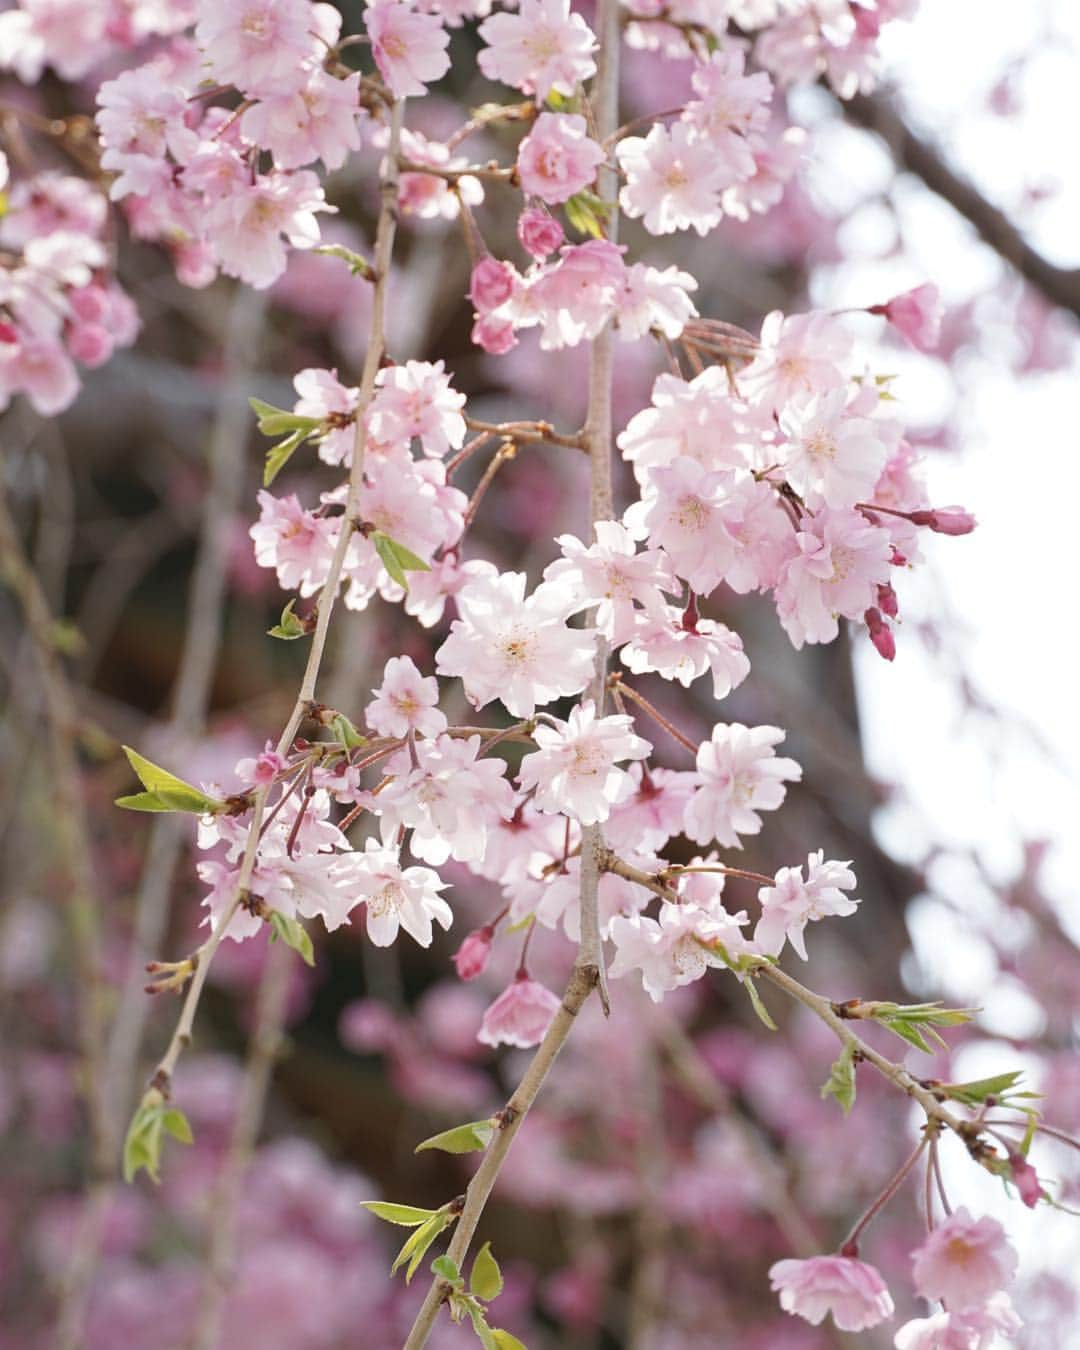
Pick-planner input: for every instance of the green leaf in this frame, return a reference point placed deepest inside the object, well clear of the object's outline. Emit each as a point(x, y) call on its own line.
point(346, 733)
point(446, 1268)
point(911, 1034)
point(583, 216)
point(142, 1144)
point(293, 934)
point(279, 455)
point(164, 791)
point(485, 1278)
point(273, 421)
point(758, 1006)
point(358, 265)
point(977, 1091)
point(397, 559)
point(419, 1241)
point(290, 626)
point(176, 1124)
point(841, 1081)
point(467, 1138)
point(406, 1215)
point(505, 1341)
point(480, 1326)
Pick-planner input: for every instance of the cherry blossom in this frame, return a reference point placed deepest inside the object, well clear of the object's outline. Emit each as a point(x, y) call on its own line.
point(261, 46)
point(574, 770)
point(543, 47)
point(916, 315)
point(515, 648)
point(974, 1329)
point(803, 354)
point(520, 1015)
point(963, 1261)
point(664, 642)
point(416, 400)
point(406, 701)
point(830, 457)
point(318, 121)
point(678, 948)
point(612, 575)
point(851, 1290)
point(409, 47)
point(740, 775)
point(789, 905)
point(557, 159)
point(540, 233)
point(673, 180)
point(398, 897)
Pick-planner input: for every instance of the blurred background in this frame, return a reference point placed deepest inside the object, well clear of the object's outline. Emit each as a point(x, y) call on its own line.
point(674, 1154)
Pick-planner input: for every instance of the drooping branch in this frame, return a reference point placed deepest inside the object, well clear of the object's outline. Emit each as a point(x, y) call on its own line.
point(874, 112)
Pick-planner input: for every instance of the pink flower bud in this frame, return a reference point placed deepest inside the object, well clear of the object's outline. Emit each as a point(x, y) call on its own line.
point(945, 520)
point(881, 635)
point(495, 336)
point(471, 957)
point(916, 315)
point(1025, 1179)
point(8, 332)
point(492, 284)
point(540, 233)
point(887, 601)
point(90, 344)
point(520, 1015)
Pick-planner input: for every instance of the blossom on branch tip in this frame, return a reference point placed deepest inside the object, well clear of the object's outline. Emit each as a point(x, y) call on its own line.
point(851, 1290)
point(405, 701)
point(520, 1015)
point(557, 159)
point(963, 1261)
point(792, 902)
point(916, 315)
point(540, 48)
point(739, 775)
point(409, 47)
point(397, 897)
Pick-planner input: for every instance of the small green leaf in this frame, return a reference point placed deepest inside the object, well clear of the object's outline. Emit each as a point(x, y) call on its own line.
point(358, 265)
point(758, 1006)
point(273, 421)
point(505, 1341)
point(293, 934)
point(911, 1034)
point(419, 1241)
point(397, 559)
point(446, 1268)
point(176, 1124)
point(406, 1215)
point(164, 791)
point(561, 102)
point(290, 626)
point(582, 216)
point(467, 1138)
point(841, 1081)
point(346, 733)
point(977, 1091)
point(279, 455)
point(485, 1278)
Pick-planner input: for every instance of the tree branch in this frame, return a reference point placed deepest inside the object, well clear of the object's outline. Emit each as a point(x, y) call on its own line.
point(1059, 286)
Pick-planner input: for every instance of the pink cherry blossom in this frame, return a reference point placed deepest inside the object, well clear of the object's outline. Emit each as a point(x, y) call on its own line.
point(513, 648)
point(141, 115)
point(397, 897)
point(841, 561)
point(652, 813)
point(573, 298)
point(803, 354)
point(540, 233)
point(450, 799)
point(673, 179)
point(261, 46)
point(323, 396)
point(318, 121)
point(732, 108)
point(963, 1261)
point(574, 769)
point(975, 1329)
point(540, 48)
point(520, 1015)
point(405, 701)
point(612, 575)
point(427, 196)
point(851, 1290)
point(651, 300)
point(245, 227)
point(409, 47)
point(740, 775)
point(916, 315)
point(682, 513)
point(675, 950)
point(664, 643)
point(491, 284)
point(558, 159)
point(830, 457)
point(416, 400)
point(696, 419)
point(789, 905)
